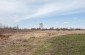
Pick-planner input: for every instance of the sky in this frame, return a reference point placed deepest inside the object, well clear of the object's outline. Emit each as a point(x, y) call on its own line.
point(52, 13)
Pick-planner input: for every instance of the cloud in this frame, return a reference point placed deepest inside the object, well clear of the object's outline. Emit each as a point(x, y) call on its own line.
point(58, 7)
point(19, 10)
point(6, 6)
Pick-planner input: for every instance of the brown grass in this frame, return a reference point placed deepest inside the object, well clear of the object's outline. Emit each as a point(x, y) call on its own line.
point(41, 34)
point(25, 43)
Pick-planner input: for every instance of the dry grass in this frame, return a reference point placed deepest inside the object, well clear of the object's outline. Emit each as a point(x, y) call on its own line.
point(41, 34)
point(26, 43)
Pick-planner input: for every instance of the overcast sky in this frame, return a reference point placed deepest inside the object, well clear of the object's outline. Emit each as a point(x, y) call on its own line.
point(52, 13)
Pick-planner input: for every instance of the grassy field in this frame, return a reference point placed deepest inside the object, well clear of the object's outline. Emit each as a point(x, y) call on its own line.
point(69, 44)
point(63, 45)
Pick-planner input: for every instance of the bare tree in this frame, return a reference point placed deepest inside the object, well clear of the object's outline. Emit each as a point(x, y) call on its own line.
point(41, 26)
point(1, 26)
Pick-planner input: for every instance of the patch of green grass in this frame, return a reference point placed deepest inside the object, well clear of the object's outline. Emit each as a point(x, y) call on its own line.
point(43, 49)
point(63, 45)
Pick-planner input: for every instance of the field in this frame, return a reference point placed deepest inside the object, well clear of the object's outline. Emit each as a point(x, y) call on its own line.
point(43, 42)
point(63, 45)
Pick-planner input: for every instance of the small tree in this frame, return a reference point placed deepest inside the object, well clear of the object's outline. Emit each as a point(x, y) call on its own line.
point(41, 26)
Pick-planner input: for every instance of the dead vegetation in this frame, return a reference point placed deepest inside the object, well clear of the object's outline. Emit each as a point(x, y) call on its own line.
point(24, 34)
point(27, 42)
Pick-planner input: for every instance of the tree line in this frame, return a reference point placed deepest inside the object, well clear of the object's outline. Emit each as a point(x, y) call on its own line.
point(41, 27)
